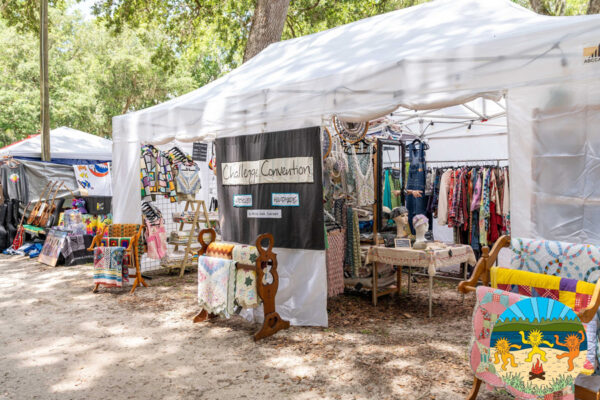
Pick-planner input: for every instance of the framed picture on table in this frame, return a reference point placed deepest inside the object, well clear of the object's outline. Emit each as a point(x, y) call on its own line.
point(402, 243)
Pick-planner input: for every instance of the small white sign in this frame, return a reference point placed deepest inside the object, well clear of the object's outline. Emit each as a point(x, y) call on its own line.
point(242, 200)
point(402, 243)
point(285, 199)
point(264, 213)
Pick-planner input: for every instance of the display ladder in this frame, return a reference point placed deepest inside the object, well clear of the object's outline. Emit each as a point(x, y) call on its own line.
point(188, 242)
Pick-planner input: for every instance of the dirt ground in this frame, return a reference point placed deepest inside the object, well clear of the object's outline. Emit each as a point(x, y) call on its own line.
point(58, 340)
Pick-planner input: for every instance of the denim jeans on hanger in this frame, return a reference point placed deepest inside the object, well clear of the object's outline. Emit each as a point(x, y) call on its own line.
point(416, 181)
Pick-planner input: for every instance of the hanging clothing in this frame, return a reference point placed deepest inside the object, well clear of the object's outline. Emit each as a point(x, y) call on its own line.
point(416, 180)
point(365, 189)
point(387, 190)
point(14, 182)
point(443, 197)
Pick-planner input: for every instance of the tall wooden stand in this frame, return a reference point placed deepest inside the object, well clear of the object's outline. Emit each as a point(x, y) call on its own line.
point(267, 282)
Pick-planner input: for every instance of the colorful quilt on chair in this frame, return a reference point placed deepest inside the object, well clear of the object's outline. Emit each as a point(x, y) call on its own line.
point(575, 261)
point(220, 250)
point(491, 303)
point(108, 266)
point(246, 294)
point(575, 294)
point(216, 285)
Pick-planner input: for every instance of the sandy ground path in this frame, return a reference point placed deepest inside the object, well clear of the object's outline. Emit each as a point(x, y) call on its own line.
point(58, 340)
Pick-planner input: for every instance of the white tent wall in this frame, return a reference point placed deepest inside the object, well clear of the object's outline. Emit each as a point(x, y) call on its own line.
point(438, 54)
point(555, 161)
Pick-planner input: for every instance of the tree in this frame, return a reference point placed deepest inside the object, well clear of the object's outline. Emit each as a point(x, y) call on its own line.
point(94, 75)
point(267, 25)
point(593, 7)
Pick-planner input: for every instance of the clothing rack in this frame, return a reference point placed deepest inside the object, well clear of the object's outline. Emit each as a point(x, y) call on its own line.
point(495, 160)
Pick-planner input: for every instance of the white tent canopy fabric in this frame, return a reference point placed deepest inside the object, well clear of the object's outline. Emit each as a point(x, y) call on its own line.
point(65, 143)
point(439, 54)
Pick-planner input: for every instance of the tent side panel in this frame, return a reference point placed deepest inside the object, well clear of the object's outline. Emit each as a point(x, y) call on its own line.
point(126, 202)
point(555, 160)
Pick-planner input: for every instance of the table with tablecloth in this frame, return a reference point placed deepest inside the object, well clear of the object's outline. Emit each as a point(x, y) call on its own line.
point(430, 259)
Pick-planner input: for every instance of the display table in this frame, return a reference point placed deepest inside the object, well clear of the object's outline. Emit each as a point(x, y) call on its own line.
point(408, 257)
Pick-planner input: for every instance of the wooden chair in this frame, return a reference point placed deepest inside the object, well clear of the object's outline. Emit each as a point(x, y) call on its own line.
point(586, 387)
point(131, 231)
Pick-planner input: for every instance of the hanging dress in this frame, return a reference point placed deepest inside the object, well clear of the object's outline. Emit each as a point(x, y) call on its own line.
point(364, 181)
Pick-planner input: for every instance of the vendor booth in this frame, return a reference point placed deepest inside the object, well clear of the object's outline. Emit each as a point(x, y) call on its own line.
point(440, 54)
point(35, 192)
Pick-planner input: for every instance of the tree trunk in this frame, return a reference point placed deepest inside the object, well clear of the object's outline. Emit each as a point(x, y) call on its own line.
point(593, 7)
point(539, 7)
point(267, 25)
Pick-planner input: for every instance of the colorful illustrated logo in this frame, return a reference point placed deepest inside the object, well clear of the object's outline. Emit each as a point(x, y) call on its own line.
point(538, 346)
point(99, 170)
point(14, 178)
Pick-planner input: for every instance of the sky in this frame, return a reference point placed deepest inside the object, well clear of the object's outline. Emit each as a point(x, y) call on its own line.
point(85, 7)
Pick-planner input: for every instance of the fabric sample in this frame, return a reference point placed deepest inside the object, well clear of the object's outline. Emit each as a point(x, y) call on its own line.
point(188, 179)
point(216, 285)
point(108, 266)
point(246, 294)
point(335, 262)
point(220, 250)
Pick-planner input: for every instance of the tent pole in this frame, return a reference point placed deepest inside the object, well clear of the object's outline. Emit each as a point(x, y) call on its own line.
point(44, 92)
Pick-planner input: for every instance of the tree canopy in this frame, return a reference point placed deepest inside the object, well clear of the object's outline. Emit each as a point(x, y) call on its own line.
point(137, 53)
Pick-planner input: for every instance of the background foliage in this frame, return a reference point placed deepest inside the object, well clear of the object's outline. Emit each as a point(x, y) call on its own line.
point(137, 53)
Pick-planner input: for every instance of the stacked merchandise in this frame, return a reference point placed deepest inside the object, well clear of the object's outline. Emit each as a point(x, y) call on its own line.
point(475, 201)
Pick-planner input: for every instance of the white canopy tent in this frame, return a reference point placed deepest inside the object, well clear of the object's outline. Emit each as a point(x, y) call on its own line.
point(65, 143)
point(439, 54)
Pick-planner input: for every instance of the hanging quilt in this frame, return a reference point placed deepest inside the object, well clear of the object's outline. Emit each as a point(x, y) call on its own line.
point(108, 266)
point(216, 285)
point(246, 295)
point(93, 179)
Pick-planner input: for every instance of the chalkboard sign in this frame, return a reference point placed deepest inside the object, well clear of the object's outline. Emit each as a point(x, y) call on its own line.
point(200, 151)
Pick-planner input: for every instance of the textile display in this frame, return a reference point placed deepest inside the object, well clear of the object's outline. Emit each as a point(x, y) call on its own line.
point(576, 261)
point(188, 179)
point(54, 243)
point(539, 346)
point(491, 304)
point(156, 240)
point(246, 293)
point(87, 224)
point(14, 182)
point(156, 174)
point(416, 180)
point(474, 201)
point(184, 216)
point(75, 249)
point(335, 262)
point(93, 179)
point(575, 294)
point(220, 250)
point(108, 266)
point(124, 242)
point(274, 182)
point(216, 285)
point(430, 259)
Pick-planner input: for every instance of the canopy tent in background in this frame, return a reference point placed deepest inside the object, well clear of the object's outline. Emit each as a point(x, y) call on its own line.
point(438, 54)
point(67, 146)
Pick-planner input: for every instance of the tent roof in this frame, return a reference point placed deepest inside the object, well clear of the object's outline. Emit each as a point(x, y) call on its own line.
point(434, 55)
point(65, 143)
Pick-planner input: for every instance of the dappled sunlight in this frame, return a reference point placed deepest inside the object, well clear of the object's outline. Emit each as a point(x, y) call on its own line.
point(91, 346)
